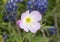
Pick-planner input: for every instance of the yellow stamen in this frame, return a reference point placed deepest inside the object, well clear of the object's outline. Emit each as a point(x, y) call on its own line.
point(28, 20)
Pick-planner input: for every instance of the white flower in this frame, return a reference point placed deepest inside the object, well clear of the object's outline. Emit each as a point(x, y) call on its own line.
point(30, 21)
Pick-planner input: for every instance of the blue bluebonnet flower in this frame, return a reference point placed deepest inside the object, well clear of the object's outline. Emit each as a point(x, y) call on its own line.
point(19, 1)
point(5, 36)
point(30, 5)
point(11, 7)
point(40, 5)
point(16, 1)
point(52, 31)
point(5, 18)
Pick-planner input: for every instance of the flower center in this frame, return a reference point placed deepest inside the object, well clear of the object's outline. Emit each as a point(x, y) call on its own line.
point(28, 20)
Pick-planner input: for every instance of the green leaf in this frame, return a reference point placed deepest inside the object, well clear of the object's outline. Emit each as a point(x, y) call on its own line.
point(46, 27)
point(3, 23)
point(39, 39)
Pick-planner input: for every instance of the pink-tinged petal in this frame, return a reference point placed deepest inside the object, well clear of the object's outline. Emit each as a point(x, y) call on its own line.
point(35, 27)
point(24, 26)
point(18, 22)
point(24, 15)
point(36, 15)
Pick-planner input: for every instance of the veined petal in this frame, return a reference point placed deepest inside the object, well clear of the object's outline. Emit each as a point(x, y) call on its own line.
point(24, 15)
point(34, 27)
point(24, 26)
point(36, 15)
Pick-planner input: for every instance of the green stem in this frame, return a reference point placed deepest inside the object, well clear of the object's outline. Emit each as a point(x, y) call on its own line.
point(42, 30)
point(9, 28)
point(55, 16)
